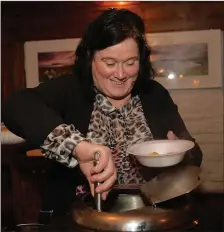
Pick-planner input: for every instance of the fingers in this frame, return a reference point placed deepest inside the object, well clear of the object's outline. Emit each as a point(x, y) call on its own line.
point(171, 135)
point(107, 184)
point(104, 194)
point(104, 171)
point(103, 161)
point(108, 171)
point(91, 185)
point(106, 178)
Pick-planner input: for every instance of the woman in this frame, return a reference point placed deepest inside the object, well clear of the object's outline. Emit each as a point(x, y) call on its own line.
point(110, 102)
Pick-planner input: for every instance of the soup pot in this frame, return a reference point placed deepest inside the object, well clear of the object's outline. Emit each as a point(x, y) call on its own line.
point(128, 210)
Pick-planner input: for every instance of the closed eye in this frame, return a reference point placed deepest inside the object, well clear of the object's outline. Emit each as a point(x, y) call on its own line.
point(110, 64)
point(131, 62)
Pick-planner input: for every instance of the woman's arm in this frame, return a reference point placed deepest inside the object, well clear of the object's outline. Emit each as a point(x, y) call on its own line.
point(36, 114)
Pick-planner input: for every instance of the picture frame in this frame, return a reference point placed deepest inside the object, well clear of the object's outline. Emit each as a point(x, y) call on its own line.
point(47, 59)
point(188, 59)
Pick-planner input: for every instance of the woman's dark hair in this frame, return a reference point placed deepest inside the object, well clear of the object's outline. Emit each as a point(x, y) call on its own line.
point(110, 28)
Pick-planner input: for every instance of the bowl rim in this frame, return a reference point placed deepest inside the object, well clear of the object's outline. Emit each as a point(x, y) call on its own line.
point(131, 147)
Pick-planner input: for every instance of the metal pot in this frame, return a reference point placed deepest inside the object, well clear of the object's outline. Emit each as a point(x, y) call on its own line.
point(127, 210)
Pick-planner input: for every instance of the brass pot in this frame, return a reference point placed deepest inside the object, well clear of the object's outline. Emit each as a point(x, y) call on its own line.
point(127, 210)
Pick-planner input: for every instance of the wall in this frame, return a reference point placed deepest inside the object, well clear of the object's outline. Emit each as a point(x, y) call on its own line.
point(202, 109)
point(26, 21)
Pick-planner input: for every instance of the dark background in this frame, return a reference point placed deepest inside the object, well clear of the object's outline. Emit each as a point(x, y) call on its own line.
point(31, 21)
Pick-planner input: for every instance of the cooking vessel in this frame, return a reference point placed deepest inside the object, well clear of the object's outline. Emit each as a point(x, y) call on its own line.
point(129, 208)
point(173, 182)
point(128, 211)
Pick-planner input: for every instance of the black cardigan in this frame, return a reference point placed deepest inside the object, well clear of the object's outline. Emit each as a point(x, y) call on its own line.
point(33, 113)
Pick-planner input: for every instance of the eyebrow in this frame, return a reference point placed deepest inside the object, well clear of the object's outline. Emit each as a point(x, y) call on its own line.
point(111, 58)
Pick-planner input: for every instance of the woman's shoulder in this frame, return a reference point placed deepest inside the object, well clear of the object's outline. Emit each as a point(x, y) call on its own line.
point(65, 79)
point(157, 90)
point(64, 83)
point(156, 86)
point(157, 96)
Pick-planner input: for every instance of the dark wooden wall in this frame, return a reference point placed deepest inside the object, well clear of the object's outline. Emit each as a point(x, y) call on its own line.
point(26, 21)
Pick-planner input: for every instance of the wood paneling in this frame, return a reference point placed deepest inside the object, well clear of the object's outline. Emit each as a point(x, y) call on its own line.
point(26, 21)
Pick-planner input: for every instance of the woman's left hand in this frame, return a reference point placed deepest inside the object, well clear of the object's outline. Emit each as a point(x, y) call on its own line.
point(171, 135)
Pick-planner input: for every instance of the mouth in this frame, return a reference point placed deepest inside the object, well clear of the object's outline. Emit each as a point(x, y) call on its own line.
point(117, 82)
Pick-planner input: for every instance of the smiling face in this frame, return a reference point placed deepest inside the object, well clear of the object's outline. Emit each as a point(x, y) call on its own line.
point(115, 70)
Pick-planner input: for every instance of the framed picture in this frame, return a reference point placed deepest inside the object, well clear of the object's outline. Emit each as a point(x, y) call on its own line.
point(45, 60)
point(181, 60)
point(189, 59)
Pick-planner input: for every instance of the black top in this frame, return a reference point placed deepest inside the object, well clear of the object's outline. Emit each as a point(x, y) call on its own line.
point(33, 113)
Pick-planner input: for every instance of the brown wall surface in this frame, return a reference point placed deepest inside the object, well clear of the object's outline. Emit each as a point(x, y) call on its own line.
point(30, 21)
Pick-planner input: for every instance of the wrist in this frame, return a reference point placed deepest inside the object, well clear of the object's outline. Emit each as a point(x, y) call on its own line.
point(80, 149)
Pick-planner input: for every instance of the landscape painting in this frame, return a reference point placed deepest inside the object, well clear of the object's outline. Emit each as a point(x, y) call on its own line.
point(180, 60)
point(187, 59)
point(48, 59)
point(54, 64)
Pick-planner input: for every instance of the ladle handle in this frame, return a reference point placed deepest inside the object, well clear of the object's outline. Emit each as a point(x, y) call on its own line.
point(97, 196)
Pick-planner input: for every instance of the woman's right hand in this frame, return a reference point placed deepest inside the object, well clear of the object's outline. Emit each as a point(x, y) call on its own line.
point(104, 171)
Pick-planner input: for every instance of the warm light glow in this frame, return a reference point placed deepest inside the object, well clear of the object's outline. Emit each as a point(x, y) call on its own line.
point(161, 70)
point(111, 218)
point(196, 82)
point(171, 76)
point(181, 76)
point(118, 4)
point(196, 222)
point(163, 220)
point(121, 3)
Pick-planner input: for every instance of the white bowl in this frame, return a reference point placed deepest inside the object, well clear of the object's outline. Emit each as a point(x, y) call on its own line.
point(170, 152)
point(7, 137)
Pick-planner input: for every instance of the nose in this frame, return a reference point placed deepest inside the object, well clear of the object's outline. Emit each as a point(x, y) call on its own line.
point(120, 72)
